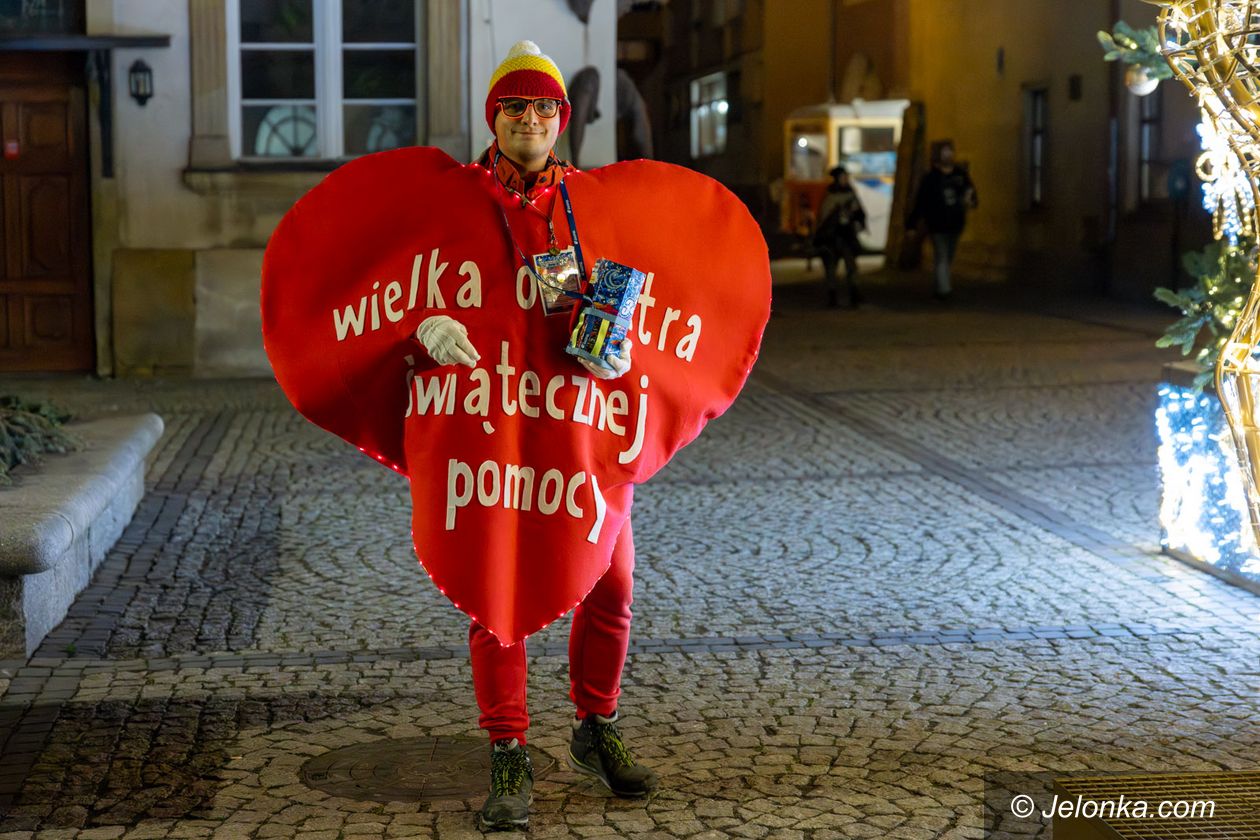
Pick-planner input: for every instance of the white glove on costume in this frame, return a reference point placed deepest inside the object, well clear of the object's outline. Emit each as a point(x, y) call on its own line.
point(447, 341)
point(620, 363)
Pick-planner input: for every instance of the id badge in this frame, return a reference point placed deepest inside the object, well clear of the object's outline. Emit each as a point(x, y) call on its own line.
point(558, 272)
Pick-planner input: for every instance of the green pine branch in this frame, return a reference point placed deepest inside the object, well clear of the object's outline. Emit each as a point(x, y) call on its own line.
point(1135, 46)
point(1223, 276)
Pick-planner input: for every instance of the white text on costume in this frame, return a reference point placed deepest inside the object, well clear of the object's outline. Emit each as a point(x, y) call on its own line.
point(435, 285)
point(353, 319)
point(685, 346)
point(515, 487)
point(573, 398)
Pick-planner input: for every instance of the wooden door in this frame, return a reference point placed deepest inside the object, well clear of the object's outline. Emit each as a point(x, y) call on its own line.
point(45, 272)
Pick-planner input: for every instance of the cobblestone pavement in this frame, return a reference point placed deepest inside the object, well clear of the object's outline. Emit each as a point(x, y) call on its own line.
point(921, 548)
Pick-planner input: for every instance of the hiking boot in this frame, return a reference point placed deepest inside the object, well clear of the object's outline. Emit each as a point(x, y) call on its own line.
point(511, 788)
point(597, 749)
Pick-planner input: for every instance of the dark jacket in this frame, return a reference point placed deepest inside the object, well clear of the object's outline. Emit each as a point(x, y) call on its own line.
point(943, 200)
point(840, 217)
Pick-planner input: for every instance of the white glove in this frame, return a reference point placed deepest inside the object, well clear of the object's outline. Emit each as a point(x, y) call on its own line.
point(620, 363)
point(447, 341)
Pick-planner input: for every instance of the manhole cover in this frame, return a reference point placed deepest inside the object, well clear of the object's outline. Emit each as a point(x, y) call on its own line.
point(409, 769)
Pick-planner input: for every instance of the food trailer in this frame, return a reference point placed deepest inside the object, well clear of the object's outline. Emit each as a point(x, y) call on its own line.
point(861, 136)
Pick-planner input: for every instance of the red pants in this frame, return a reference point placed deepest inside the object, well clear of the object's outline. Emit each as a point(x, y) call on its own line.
point(597, 654)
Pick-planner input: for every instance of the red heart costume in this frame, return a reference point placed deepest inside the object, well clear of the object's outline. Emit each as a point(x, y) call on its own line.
point(521, 468)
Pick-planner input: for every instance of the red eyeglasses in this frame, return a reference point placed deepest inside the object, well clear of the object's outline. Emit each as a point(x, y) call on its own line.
point(514, 107)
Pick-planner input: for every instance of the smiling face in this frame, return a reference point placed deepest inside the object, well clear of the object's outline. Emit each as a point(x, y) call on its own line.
point(527, 141)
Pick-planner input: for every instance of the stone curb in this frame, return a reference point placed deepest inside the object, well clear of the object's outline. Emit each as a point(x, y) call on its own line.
point(46, 510)
point(58, 522)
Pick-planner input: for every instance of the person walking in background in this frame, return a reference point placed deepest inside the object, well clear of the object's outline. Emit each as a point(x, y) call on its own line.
point(945, 195)
point(841, 217)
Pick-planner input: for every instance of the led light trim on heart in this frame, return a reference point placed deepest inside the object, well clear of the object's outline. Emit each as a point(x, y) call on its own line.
point(523, 465)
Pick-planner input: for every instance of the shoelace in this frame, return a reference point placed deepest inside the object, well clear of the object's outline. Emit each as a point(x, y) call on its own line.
point(507, 771)
point(608, 739)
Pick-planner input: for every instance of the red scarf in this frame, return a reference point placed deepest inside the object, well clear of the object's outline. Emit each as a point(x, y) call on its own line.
point(513, 179)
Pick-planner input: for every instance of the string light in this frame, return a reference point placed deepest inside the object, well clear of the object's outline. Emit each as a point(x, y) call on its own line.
point(1227, 191)
point(468, 613)
point(486, 172)
point(1203, 511)
point(1210, 46)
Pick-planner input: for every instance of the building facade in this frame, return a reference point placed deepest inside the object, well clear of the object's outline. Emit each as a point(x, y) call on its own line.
point(720, 77)
point(1071, 168)
point(168, 198)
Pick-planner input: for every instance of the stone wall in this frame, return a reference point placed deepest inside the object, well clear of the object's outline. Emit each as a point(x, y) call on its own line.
point(179, 230)
point(973, 62)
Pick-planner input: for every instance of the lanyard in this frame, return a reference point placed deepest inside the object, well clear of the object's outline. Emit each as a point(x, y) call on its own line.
point(577, 248)
point(573, 232)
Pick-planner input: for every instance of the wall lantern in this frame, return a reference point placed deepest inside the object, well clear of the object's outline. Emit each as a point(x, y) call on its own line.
point(140, 81)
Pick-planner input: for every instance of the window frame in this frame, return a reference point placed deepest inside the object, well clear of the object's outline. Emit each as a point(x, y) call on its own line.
point(695, 93)
point(1036, 142)
point(1150, 123)
point(330, 101)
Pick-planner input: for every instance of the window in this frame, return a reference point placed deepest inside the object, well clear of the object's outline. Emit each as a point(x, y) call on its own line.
point(43, 17)
point(724, 11)
point(855, 139)
point(1036, 155)
point(708, 115)
point(869, 150)
point(808, 160)
point(322, 78)
point(1150, 117)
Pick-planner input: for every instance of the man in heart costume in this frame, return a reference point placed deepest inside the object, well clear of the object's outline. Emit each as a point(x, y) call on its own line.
point(382, 289)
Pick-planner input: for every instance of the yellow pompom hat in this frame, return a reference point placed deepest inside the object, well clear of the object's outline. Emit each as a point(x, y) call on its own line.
point(527, 72)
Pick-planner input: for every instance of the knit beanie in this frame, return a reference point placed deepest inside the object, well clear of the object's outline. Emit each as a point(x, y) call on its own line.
point(527, 72)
